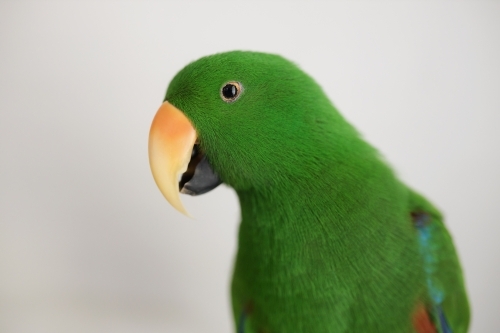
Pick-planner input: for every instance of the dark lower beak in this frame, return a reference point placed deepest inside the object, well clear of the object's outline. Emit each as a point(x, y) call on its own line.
point(199, 177)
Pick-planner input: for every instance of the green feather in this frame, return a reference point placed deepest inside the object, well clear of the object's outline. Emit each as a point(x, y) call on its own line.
point(327, 242)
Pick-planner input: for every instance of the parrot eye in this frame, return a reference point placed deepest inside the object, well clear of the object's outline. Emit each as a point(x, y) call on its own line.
point(230, 91)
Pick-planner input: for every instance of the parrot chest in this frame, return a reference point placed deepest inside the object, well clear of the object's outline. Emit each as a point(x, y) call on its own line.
point(309, 282)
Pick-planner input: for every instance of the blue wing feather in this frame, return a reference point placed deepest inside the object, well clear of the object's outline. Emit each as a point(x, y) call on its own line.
point(425, 229)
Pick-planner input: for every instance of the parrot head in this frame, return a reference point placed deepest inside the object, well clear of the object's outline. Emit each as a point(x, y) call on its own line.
point(251, 120)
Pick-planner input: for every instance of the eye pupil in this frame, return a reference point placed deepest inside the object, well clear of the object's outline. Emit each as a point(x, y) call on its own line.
point(231, 91)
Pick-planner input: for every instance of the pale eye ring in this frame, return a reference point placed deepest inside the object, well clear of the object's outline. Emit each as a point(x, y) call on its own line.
point(231, 91)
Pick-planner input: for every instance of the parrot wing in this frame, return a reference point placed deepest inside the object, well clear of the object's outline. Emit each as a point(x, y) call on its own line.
point(446, 301)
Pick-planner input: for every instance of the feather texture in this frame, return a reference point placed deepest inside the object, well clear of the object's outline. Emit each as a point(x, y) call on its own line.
point(330, 240)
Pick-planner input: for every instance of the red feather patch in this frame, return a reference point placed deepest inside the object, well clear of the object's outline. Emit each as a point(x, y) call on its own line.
point(421, 321)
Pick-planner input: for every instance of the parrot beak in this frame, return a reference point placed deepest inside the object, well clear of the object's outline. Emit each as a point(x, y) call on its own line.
point(174, 154)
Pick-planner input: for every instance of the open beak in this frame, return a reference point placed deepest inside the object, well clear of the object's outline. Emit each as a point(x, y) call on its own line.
point(176, 161)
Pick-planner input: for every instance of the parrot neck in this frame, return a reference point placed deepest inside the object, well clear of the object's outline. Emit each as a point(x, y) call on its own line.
point(289, 233)
point(290, 218)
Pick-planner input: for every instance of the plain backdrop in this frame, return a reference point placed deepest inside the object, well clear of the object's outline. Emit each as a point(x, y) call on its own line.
point(87, 242)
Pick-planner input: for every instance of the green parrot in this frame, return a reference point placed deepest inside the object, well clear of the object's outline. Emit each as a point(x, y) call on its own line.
point(330, 240)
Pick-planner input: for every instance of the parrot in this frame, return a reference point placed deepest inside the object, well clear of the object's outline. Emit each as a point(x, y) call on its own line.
point(330, 240)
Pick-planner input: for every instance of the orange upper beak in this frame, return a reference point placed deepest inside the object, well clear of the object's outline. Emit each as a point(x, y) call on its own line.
point(171, 141)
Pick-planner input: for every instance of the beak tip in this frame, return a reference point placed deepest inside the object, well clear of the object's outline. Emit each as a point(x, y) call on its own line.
point(183, 211)
point(176, 202)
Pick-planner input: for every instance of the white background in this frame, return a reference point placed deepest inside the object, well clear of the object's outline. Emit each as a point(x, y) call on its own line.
point(87, 242)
